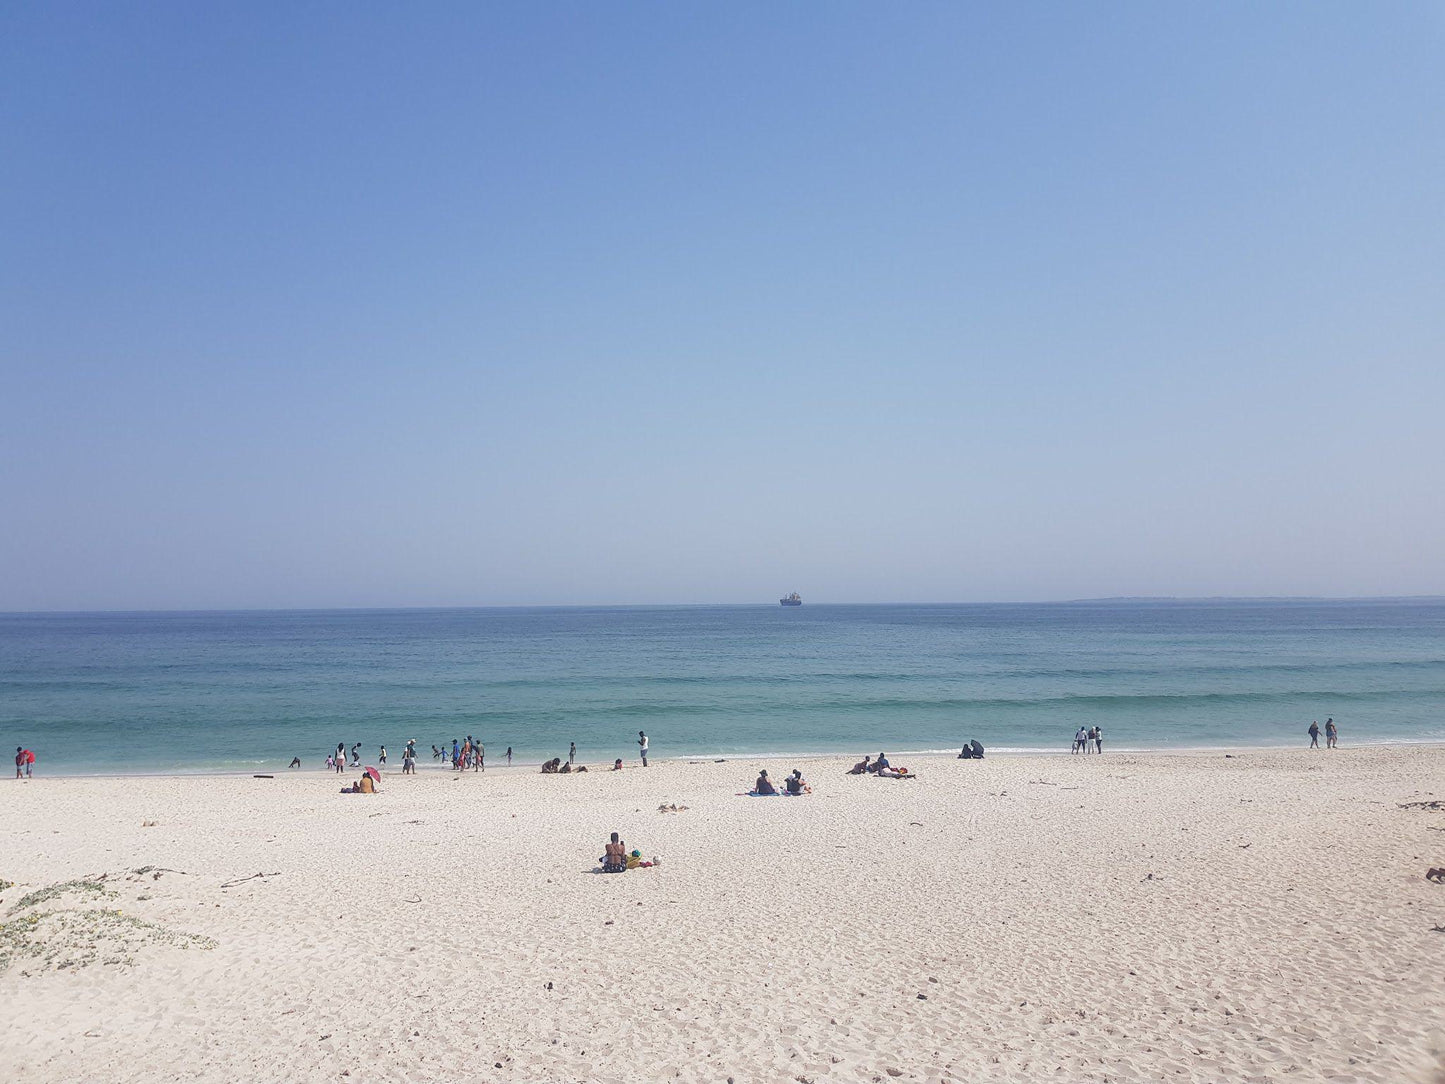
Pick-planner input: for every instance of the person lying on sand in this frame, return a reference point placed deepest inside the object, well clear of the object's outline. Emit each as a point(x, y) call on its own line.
point(614, 856)
point(764, 785)
point(896, 773)
point(861, 767)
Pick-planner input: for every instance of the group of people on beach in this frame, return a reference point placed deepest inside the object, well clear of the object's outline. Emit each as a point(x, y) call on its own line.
point(1089, 740)
point(1332, 734)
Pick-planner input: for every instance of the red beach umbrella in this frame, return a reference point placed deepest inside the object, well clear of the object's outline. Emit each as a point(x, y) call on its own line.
point(376, 775)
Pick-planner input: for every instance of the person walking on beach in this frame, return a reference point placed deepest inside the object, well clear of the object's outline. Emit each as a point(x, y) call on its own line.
point(642, 745)
point(1314, 733)
point(382, 755)
point(572, 752)
point(479, 757)
point(1332, 733)
point(509, 756)
point(408, 759)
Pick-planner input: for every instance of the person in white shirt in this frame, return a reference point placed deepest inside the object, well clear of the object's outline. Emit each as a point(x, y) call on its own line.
point(642, 745)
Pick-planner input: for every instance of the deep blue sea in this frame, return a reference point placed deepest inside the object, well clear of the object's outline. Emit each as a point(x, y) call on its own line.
point(249, 690)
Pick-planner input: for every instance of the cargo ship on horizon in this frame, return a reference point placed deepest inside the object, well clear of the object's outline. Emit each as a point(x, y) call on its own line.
point(791, 600)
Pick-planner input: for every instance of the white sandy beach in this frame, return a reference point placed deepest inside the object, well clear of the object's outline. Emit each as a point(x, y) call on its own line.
point(1263, 917)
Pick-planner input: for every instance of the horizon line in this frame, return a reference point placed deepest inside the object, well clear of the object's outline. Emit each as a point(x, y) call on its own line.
point(716, 605)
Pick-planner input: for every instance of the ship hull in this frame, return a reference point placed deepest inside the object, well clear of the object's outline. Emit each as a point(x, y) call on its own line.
point(790, 602)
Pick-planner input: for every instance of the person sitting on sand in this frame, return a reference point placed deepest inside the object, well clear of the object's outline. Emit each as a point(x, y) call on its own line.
point(795, 784)
point(614, 856)
point(550, 768)
point(617, 765)
point(764, 785)
point(565, 768)
point(861, 768)
point(880, 764)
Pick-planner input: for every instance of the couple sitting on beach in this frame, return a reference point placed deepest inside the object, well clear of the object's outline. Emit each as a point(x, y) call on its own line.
point(880, 768)
point(364, 785)
point(793, 786)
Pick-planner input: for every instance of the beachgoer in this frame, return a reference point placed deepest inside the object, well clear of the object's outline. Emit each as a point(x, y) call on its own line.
point(572, 752)
point(881, 763)
point(295, 762)
point(566, 768)
point(436, 754)
point(382, 755)
point(614, 856)
point(1081, 736)
point(19, 762)
point(479, 757)
point(356, 755)
point(1314, 733)
point(408, 761)
point(1332, 733)
point(1098, 739)
point(642, 744)
point(340, 757)
point(617, 765)
point(456, 754)
point(550, 768)
point(509, 756)
point(861, 768)
point(764, 785)
point(795, 783)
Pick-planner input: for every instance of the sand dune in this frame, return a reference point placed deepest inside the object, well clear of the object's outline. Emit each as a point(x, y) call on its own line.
point(1119, 918)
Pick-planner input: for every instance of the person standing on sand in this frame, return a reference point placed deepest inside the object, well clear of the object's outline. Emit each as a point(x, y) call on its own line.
point(1098, 739)
point(1080, 737)
point(509, 756)
point(340, 757)
point(1314, 733)
point(1332, 733)
point(19, 762)
point(479, 757)
point(642, 744)
point(382, 755)
point(572, 752)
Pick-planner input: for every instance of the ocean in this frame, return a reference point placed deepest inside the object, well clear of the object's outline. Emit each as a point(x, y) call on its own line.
point(247, 691)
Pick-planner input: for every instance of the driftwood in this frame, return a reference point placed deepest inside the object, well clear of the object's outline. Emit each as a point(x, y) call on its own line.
point(253, 877)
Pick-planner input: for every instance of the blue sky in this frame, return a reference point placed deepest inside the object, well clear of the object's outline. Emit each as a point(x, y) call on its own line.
point(348, 305)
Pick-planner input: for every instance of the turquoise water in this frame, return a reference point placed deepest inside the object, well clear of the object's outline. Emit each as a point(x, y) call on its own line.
point(201, 691)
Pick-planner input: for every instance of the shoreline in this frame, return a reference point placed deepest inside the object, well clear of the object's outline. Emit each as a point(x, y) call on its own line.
point(999, 753)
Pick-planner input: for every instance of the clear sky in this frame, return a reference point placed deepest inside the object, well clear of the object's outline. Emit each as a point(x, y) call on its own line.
point(389, 304)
